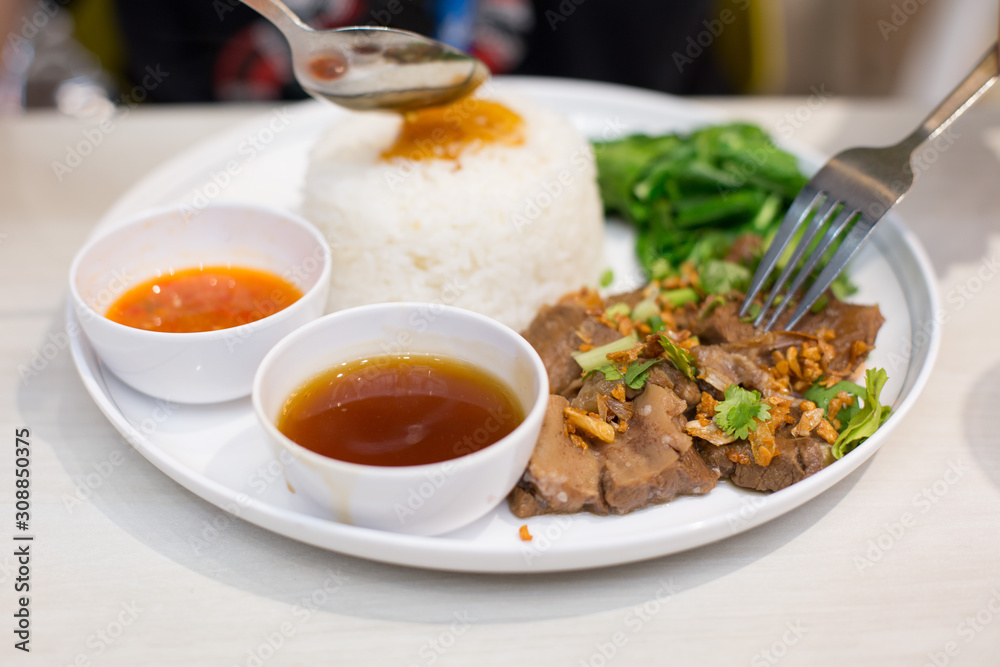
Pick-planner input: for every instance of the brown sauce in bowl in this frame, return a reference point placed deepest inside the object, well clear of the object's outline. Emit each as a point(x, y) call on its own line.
point(400, 411)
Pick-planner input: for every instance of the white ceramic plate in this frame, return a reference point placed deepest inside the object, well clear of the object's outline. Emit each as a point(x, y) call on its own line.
point(219, 452)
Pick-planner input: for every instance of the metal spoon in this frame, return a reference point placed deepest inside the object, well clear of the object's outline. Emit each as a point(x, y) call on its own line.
point(366, 68)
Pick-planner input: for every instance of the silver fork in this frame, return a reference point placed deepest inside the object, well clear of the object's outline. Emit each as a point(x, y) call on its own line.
point(851, 193)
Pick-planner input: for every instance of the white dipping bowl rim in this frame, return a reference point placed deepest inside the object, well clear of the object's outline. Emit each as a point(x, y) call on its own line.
point(532, 421)
point(314, 295)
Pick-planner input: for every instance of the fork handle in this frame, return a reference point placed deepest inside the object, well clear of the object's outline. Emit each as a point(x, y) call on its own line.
point(964, 96)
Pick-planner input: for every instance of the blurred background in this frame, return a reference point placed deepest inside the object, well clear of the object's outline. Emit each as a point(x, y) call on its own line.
point(87, 56)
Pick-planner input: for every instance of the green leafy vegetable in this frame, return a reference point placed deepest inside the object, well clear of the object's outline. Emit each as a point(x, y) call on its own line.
point(721, 277)
point(819, 304)
point(691, 195)
point(842, 287)
point(868, 419)
point(679, 357)
point(736, 414)
point(822, 396)
point(594, 359)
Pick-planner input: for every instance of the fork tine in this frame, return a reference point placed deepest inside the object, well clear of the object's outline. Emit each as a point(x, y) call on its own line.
point(856, 235)
point(820, 218)
point(805, 201)
point(829, 238)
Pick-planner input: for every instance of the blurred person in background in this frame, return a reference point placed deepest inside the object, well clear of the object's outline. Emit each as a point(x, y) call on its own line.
point(221, 50)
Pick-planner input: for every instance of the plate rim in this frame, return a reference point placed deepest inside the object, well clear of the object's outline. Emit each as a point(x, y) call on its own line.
point(427, 552)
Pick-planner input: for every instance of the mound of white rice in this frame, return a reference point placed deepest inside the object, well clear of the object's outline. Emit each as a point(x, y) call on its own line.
point(501, 230)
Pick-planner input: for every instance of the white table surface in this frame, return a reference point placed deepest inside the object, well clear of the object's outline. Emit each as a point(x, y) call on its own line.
point(128, 568)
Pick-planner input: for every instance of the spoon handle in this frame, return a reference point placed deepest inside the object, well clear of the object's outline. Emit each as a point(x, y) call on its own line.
point(279, 14)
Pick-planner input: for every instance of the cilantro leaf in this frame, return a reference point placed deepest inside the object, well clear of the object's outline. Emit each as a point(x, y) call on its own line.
point(822, 396)
point(868, 419)
point(610, 372)
point(636, 373)
point(679, 357)
point(735, 415)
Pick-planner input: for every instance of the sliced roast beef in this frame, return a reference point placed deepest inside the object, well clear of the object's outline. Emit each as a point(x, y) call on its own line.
point(797, 458)
point(653, 461)
point(721, 367)
point(552, 335)
point(560, 476)
point(666, 376)
point(721, 325)
point(849, 322)
point(630, 299)
point(595, 385)
point(558, 331)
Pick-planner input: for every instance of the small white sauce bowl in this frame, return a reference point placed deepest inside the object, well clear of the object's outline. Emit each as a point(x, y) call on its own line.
point(428, 499)
point(208, 366)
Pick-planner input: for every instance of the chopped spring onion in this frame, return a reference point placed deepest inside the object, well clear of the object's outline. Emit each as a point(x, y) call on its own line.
point(619, 308)
point(678, 297)
point(593, 359)
point(645, 311)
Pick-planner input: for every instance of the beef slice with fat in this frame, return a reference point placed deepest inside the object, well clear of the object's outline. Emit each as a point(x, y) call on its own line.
point(560, 477)
point(653, 461)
